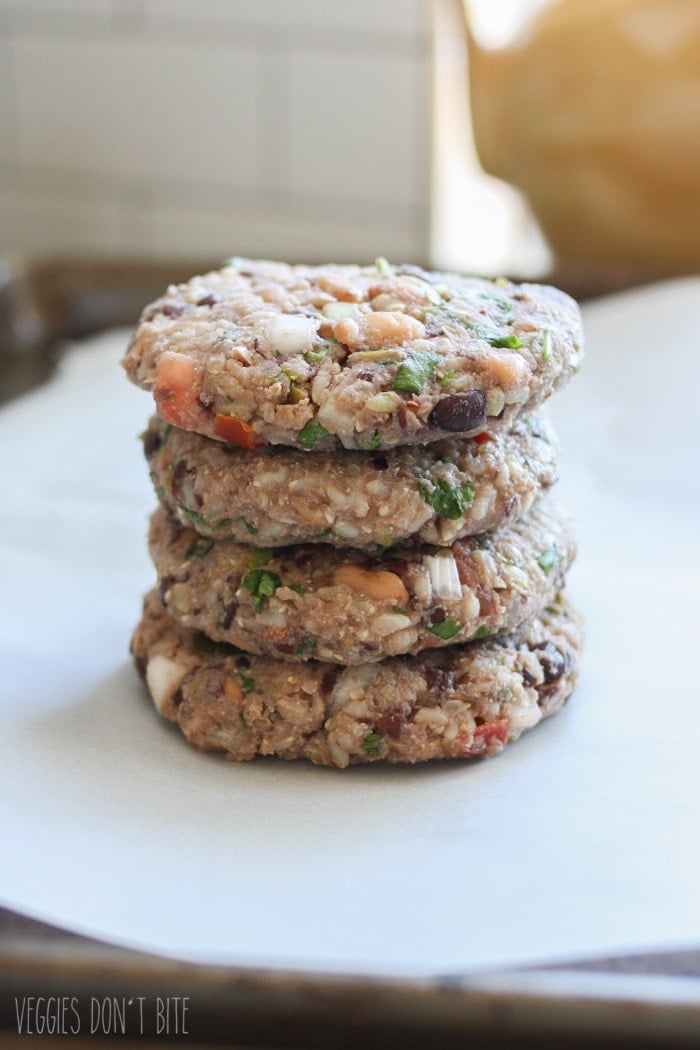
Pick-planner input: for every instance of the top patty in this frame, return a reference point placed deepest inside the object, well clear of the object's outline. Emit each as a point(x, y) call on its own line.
point(363, 357)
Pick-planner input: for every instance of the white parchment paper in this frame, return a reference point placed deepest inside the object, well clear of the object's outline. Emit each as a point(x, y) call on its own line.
point(580, 838)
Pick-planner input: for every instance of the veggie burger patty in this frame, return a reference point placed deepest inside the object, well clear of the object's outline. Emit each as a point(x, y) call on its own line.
point(361, 357)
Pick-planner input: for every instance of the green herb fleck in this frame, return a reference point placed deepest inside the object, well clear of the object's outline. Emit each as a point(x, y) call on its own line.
point(481, 632)
point(199, 518)
point(450, 501)
point(481, 543)
point(199, 548)
point(549, 558)
point(319, 351)
point(252, 529)
point(494, 338)
point(382, 265)
point(415, 371)
point(446, 376)
point(504, 692)
point(502, 304)
point(546, 346)
point(511, 342)
point(445, 630)
point(262, 584)
point(297, 587)
point(260, 557)
point(306, 646)
point(310, 433)
point(375, 441)
point(371, 745)
point(400, 609)
point(248, 683)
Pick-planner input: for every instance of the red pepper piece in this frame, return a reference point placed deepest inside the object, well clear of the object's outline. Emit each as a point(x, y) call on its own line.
point(236, 431)
point(488, 738)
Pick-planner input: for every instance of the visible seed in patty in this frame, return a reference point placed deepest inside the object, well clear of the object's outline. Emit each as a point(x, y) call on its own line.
point(460, 412)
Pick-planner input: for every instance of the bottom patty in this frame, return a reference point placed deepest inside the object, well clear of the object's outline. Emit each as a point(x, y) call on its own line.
point(466, 701)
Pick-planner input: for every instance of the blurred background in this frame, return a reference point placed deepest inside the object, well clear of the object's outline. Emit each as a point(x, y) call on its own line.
point(141, 140)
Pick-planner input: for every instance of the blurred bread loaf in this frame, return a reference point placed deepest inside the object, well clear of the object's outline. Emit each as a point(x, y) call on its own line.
point(593, 112)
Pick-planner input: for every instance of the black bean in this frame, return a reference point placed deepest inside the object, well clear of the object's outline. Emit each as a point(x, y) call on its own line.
point(440, 679)
point(460, 412)
point(552, 661)
point(141, 663)
point(227, 614)
point(328, 679)
point(164, 310)
point(394, 723)
point(528, 676)
point(178, 478)
point(151, 442)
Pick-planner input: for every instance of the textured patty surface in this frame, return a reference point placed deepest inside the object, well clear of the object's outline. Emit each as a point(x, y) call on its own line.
point(463, 702)
point(364, 357)
point(433, 493)
point(315, 602)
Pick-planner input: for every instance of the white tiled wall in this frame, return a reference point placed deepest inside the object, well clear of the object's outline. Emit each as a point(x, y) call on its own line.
point(290, 128)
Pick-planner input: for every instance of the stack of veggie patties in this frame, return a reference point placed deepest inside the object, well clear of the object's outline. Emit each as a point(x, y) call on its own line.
point(357, 556)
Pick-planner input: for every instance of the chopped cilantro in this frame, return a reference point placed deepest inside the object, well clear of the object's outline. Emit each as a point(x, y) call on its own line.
point(437, 319)
point(297, 587)
point(450, 501)
point(445, 630)
point(248, 683)
point(481, 632)
point(199, 518)
point(310, 433)
point(262, 584)
point(252, 529)
point(415, 371)
point(493, 337)
point(375, 441)
point(199, 548)
point(371, 745)
point(446, 376)
point(400, 609)
point(549, 558)
point(306, 646)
